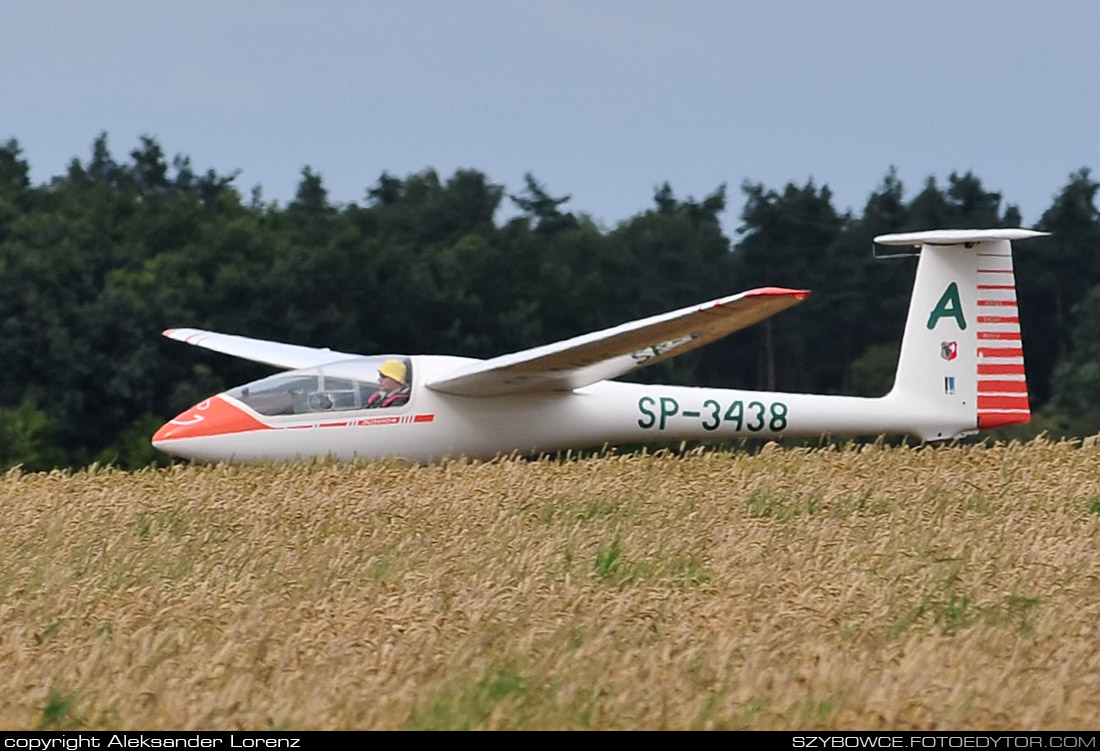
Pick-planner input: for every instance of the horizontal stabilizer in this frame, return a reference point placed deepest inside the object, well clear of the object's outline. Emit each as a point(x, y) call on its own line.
point(602, 355)
point(956, 236)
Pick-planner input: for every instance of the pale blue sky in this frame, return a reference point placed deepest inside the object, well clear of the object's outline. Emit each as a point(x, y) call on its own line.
point(602, 100)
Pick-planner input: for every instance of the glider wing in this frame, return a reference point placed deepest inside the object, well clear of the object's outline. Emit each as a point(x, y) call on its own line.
point(601, 355)
point(288, 356)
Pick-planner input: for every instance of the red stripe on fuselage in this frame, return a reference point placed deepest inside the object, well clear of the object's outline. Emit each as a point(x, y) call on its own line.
point(1002, 386)
point(1000, 369)
point(995, 403)
point(991, 420)
point(1000, 352)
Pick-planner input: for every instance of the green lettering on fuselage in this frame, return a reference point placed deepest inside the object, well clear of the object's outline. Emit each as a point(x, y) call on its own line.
point(949, 306)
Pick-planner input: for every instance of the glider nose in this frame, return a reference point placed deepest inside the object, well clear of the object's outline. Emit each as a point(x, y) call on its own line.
point(212, 417)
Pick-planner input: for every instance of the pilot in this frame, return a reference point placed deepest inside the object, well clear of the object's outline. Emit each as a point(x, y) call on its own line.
point(393, 386)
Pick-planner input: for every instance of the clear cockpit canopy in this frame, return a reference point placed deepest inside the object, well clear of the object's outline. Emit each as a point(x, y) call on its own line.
point(336, 387)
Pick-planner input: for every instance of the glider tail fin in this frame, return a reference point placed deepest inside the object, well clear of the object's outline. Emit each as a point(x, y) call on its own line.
point(962, 361)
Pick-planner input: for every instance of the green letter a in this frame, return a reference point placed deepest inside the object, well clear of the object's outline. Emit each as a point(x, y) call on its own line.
point(949, 305)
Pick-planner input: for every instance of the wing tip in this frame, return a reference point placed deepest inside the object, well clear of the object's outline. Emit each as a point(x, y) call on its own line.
point(795, 295)
point(181, 335)
point(798, 294)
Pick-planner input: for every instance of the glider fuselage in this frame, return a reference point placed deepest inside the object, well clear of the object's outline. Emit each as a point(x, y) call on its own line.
point(435, 425)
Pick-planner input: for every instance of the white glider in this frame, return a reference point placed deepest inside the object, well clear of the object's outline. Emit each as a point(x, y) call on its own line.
point(961, 369)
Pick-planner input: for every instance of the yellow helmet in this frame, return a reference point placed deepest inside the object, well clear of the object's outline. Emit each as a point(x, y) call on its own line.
point(396, 370)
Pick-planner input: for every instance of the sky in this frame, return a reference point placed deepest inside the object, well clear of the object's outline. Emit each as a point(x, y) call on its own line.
point(601, 100)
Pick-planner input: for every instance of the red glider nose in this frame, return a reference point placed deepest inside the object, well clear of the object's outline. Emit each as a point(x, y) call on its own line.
point(215, 416)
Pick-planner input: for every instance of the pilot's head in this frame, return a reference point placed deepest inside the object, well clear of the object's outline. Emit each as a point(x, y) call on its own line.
point(394, 370)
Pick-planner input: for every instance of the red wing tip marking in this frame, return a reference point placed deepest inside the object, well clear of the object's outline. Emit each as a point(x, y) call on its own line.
point(177, 335)
point(798, 294)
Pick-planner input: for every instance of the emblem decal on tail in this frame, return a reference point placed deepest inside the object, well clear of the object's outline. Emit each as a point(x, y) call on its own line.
point(949, 306)
point(949, 350)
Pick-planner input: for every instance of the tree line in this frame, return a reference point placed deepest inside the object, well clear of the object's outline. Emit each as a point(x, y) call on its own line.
point(97, 261)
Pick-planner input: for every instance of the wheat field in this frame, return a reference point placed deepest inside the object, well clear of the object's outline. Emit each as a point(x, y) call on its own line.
point(863, 587)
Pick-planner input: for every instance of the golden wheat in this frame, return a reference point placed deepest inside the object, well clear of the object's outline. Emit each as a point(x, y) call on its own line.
point(864, 587)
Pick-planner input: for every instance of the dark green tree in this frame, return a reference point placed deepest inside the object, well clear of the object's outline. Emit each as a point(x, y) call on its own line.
point(1074, 406)
point(544, 209)
point(1053, 276)
point(785, 241)
point(27, 439)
